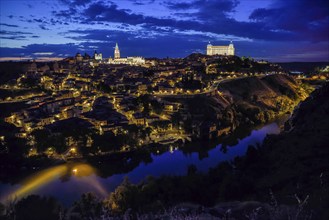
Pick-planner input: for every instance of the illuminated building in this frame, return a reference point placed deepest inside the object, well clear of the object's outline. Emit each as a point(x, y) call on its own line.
point(116, 52)
point(134, 61)
point(220, 50)
point(98, 56)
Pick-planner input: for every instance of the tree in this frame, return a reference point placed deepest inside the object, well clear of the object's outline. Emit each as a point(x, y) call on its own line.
point(35, 207)
point(88, 207)
point(123, 198)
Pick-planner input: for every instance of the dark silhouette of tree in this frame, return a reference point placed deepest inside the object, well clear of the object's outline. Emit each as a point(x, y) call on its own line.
point(87, 207)
point(35, 207)
point(123, 198)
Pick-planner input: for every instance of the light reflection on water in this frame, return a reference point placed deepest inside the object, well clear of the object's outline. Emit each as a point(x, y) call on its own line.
point(83, 174)
point(68, 182)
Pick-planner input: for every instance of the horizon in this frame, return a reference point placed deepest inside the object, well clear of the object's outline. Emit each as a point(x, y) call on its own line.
point(273, 30)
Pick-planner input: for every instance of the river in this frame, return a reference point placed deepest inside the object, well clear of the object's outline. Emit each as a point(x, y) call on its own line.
point(67, 182)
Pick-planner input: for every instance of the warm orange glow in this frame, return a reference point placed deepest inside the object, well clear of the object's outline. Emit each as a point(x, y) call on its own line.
point(38, 180)
point(84, 172)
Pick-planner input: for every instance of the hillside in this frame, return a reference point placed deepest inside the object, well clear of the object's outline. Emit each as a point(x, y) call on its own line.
point(248, 101)
point(259, 100)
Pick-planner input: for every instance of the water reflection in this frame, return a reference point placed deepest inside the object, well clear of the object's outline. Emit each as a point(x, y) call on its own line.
point(67, 182)
point(38, 180)
point(62, 172)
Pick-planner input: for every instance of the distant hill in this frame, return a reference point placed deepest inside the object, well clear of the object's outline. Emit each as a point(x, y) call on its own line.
point(305, 67)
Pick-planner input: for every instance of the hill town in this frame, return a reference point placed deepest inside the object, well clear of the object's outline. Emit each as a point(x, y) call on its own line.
point(72, 107)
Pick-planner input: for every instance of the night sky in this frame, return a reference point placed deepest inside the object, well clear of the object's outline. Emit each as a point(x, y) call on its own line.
point(275, 30)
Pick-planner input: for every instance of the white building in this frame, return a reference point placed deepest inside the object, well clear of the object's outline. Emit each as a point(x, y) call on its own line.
point(220, 50)
point(134, 61)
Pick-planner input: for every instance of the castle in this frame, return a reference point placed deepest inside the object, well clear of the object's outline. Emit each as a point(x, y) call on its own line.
point(220, 50)
point(135, 61)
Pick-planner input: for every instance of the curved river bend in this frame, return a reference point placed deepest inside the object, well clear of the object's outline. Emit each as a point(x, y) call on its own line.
point(68, 182)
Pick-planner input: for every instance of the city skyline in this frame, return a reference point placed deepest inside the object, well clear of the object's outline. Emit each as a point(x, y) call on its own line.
point(274, 30)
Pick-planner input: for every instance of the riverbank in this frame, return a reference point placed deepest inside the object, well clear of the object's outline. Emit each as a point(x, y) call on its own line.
point(17, 167)
point(109, 173)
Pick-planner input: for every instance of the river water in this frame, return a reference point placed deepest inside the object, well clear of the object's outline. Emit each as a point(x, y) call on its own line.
point(68, 182)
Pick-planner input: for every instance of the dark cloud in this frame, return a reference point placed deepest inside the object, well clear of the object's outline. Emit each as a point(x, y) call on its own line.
point(56, 50)
point(38, 20)
point(309, 19)
point(211, 17)
point(43, 27)
point(142, 2)
point(204, 6)
point(8, 25)
point(14, 35)
point(66, 14)
point(76, 2)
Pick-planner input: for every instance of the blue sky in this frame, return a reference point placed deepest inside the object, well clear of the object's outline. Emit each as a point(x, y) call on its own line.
point(275, 30)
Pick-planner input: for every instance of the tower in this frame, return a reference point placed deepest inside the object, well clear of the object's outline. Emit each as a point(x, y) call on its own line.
point(230, 50)
point(116, 52)
point(209, 49)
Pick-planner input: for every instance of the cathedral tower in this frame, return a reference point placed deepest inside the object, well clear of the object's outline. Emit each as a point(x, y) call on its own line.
point(116, 52)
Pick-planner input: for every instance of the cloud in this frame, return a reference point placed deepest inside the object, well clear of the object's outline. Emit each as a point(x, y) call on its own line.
point(8, 25)
point(66, 14)
point(204, 6)
point(309, 19)
point(14, 35)
point(76, 2)
point(38, 20)
point(43, 53)
point(43, 27)
point(142, 2)
point(40, 50)
point(283, 27)
point(211, 16)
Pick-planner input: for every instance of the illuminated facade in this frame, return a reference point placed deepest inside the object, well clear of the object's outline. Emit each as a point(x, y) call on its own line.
point(220, 50)
point(98, 56)
point(134, 61)
point(116, 52)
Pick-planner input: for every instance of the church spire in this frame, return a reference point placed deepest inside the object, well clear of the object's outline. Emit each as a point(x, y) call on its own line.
point(116, 51)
